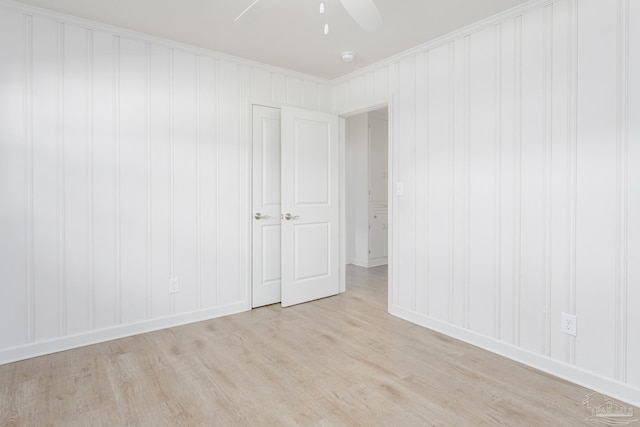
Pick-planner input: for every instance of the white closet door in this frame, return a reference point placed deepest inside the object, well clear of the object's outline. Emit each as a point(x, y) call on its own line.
point(310, 206)
point(266, 206)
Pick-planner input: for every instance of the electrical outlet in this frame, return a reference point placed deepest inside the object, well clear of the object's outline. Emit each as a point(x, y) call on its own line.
point(174, 285)
point(569, 324)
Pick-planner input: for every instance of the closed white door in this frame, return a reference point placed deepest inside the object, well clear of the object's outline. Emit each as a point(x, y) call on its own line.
point(266, 206)
point(310, 206)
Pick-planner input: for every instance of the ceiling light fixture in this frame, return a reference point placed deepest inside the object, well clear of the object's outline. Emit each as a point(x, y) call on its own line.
point(348, 56)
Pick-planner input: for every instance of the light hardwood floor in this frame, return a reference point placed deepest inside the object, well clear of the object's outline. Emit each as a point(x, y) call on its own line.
point(340, 361)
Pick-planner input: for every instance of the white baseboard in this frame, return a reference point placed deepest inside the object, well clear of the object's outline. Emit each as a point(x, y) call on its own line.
point(360, 262)
point(376, 262)
point(609, 387)
point(367, 263)
point(70, 342)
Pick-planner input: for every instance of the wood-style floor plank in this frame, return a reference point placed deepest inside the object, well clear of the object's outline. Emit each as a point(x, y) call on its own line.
point(340, 361)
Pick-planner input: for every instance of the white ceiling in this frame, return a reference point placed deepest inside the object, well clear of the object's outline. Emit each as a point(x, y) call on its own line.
point(287, 33)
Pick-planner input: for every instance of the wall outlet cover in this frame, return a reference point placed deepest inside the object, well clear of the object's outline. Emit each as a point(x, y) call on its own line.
point(569, 324)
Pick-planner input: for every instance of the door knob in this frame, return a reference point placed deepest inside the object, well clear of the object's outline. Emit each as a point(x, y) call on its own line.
point(260, 216)
point(289, 217)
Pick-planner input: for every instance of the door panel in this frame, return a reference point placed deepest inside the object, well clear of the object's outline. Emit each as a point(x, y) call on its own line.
point(313, 259)
point(310, 197)
point(266, 202)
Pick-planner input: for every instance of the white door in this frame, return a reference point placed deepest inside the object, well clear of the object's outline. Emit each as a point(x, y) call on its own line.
point(266, 206)
point(310, 206)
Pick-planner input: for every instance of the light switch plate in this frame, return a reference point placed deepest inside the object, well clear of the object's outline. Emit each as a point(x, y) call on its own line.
point(174, 285)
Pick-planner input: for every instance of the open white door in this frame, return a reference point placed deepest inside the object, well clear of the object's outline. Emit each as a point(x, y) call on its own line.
point(266, 206)
point(310, 206)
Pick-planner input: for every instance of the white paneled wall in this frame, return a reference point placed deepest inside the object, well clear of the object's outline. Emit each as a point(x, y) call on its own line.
point(124, 162)
point(517, 141)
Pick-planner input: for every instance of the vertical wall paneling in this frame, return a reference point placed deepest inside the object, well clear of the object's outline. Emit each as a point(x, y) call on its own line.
point(198, 228)
point(76, 171)
point(466, 115)
point(559, 198)
point(245, 219)
point(547, 53)
point(506, 131)
point(572, 167)
point(185, 162)
point(28, 139)
point(532, 183)
point(160, 125)
point(622, 226)
point(310, 95)
point(172, 150)
point(261, 88)
point(45, 180)
point(342, 98)
point(147, 173)
point(421, 169)
point(497, 179)
point(62, 297)
point(132, 158)
point(438, 192)
point(228, 263)
point(117, 177)
point(369, 87)
point(103, 167)
point(90, 187)
point(481, 179)
point(381, 82)
point(517, 181)
point(13, 182)
point(325, 100)
point(458, 101)
point(208, 181)
point(356, 91)
point(452, 180)
point(279, 89)
point(633, 194)
point(294, 92)
point(597, 176)
point(217, 182)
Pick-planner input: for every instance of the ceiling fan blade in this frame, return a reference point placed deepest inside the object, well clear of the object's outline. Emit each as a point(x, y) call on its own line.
point(246, 10)
point(364, 12)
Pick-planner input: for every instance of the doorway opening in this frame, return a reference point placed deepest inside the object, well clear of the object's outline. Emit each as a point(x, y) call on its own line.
point(366, 192)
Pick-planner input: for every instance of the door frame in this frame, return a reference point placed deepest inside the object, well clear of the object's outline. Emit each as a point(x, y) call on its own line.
point(392, 244)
